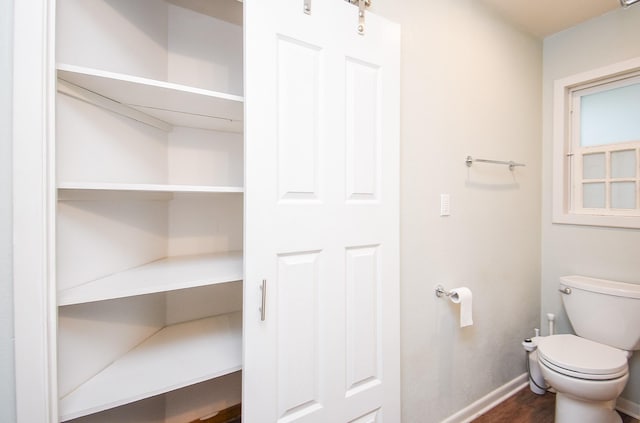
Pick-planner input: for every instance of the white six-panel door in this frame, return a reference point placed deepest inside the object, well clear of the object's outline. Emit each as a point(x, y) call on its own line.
point(321, 214)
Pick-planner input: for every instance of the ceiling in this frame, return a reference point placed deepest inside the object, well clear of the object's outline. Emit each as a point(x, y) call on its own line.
point(546, 17)
point(538, 17)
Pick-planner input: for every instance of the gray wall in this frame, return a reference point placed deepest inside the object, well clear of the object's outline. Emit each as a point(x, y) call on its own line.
point(7, 390)
point(566, 249)
point(471, 85)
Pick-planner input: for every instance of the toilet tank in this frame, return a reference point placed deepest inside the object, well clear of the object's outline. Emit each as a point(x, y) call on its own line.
point(603, 311)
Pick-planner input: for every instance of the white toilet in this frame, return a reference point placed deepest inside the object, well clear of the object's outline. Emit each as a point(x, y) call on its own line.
point(589, 370)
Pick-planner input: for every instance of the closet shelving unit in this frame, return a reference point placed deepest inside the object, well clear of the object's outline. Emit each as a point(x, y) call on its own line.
point(102, 186)
point(186, 353)
point(163, 275)
point(149, 220)
point(173, 104)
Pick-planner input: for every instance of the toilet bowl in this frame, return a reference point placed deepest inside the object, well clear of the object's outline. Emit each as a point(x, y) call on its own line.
point(588, 377)
point(590, 369)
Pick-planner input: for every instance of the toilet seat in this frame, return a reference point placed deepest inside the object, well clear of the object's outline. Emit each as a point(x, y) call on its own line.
point(581, 358)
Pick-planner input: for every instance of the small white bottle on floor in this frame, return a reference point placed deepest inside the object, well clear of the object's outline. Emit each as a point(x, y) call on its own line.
point(536, 381)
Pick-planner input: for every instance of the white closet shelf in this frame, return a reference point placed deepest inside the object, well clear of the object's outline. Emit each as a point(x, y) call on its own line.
point(174, 357)
point(164, 275)
point(107, 186)
point(175, 104)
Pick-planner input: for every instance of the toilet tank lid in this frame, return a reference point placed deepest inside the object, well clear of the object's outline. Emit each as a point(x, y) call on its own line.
point(603, 286)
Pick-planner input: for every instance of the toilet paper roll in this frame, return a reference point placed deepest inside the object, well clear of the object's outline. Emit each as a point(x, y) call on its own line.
point(463, 297)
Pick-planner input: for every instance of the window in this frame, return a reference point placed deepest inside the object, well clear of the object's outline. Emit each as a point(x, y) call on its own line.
point(597, 147)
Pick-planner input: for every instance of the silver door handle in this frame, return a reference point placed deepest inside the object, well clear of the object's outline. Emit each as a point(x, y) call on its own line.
point(263, 308)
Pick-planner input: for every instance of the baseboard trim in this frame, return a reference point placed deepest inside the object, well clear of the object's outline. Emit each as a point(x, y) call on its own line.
point(509, 389)
point(489, 401)
point(629, 408)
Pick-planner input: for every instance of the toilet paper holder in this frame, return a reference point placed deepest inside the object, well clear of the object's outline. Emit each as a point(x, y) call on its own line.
point(461, 296)
point(440, 291)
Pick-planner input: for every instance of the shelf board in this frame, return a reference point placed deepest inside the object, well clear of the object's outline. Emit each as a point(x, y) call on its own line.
point(174, 357)
point(107, 186)
point(164, 275)
point(175, 104)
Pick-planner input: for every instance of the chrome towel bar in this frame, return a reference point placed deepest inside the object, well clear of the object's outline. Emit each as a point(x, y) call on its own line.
point(469, 161)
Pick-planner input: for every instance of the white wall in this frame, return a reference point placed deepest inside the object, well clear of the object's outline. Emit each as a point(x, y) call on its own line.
point(7, 395)
point(471, 85)
point(566, 249)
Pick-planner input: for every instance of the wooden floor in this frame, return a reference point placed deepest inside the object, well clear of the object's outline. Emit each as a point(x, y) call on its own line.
point(228, 415)
point(527, 407)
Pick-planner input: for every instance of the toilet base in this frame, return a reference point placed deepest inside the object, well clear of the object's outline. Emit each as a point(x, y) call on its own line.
point(571, 410)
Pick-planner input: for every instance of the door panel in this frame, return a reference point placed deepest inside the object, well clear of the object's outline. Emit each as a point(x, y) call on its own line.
point(363, 138)
point(298, 98)
point(321, 215)
point(362, 323)
point(372, 417)
point(297, 316)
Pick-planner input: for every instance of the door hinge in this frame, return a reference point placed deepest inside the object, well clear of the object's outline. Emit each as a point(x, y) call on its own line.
point(362, 5)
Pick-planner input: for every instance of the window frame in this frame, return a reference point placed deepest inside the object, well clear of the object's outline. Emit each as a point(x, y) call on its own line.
point(565, 194)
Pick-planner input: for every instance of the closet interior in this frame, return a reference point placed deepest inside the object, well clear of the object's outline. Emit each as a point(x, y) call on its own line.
point(149, 219)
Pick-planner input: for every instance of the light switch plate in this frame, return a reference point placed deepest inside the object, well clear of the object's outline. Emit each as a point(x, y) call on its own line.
point(445, 205)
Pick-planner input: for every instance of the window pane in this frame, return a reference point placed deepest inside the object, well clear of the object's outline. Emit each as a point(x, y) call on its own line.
point(593, 196)
point(623, 164)
point(623, 195)
point(610, 116)
point(593, 166)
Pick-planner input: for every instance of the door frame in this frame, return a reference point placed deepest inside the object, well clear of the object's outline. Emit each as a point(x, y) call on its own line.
point(33, 205)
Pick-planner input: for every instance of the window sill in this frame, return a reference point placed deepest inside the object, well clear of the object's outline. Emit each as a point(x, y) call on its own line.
point(628, 222)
